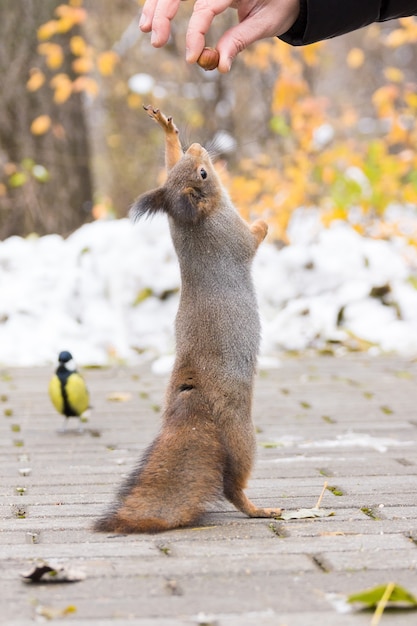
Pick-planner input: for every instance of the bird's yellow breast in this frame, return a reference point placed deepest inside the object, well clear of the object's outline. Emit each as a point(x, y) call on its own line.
point(55, 393)
point(76, 392)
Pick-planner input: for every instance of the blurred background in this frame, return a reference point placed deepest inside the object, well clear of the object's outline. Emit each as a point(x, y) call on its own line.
point(328, 129)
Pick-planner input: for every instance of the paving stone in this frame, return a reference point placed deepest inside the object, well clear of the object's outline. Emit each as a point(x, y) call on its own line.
point(351, 422)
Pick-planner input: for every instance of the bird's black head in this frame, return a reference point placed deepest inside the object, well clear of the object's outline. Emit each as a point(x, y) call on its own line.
point(64, 356)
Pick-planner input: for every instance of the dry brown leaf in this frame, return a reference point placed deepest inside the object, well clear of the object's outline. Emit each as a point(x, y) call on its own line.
point(119, 396)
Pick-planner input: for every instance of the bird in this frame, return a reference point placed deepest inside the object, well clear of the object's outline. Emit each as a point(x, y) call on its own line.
point(67, 389)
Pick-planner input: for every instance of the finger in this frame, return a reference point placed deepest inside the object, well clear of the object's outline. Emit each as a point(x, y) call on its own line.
point(232, 43)
point(203, 15)
point(148, 11)
point(239, 37)
point(163, 12)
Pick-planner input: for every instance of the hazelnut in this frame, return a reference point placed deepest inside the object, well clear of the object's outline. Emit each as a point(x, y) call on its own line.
point(208, 59)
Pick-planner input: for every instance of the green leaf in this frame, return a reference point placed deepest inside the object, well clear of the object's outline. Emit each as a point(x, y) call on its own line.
point(386, 409)
point(336, 491)
point(279, 126)
point(404, 374)
point(17, 179)
point(27, 164)
point(368, 394)
point(371, 597)
point(144, 294)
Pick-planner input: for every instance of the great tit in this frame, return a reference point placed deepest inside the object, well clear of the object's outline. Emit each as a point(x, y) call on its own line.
point(67, 389)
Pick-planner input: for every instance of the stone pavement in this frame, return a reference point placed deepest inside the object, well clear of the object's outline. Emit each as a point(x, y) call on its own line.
point(350, 421)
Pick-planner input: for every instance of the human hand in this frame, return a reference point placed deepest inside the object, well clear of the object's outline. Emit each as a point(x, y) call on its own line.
point(258, 19)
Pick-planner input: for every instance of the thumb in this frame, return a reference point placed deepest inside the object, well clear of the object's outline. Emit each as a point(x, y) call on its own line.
point(236, 39)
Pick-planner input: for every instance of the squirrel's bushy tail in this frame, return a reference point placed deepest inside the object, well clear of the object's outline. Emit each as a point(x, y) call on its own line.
point(179, 475)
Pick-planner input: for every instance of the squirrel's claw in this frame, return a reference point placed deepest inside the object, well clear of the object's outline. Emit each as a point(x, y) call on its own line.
point(165, 122)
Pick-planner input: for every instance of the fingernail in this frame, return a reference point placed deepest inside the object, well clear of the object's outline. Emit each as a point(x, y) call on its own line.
point(154, 38)
point(224, 66)
point(142, 20)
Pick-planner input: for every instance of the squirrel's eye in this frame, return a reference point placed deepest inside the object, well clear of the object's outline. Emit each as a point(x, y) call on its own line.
point(203, 173)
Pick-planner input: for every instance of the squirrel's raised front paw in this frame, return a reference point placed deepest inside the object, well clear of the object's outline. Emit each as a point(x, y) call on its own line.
point(165, 122)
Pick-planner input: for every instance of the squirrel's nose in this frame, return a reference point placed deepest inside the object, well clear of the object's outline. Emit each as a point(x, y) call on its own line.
point(195, 149)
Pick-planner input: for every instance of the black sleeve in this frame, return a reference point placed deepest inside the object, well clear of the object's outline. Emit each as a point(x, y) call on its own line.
point(322, 19)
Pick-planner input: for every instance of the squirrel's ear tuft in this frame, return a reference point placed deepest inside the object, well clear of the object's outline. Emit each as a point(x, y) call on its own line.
point(148, 204)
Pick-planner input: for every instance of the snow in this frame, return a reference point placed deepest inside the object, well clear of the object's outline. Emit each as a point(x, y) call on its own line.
point(346, 440)
point(109, 292)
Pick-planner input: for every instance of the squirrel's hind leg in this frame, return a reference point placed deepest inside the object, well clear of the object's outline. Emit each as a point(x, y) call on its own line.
point(234, 482)
point(242, 502)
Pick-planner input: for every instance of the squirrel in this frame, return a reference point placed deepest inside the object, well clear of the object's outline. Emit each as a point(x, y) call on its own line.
point(206, 446)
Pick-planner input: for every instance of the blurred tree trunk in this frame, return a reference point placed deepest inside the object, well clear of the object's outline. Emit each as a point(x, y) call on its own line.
point(63, 201)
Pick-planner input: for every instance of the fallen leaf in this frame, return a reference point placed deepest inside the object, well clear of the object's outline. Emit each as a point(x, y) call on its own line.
point(44, 572)
point(387, 410)
point(305, 514)
point(25, 471)
point(371, 597)
point(50, 612)
point(118, 396)
point(404, 373)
